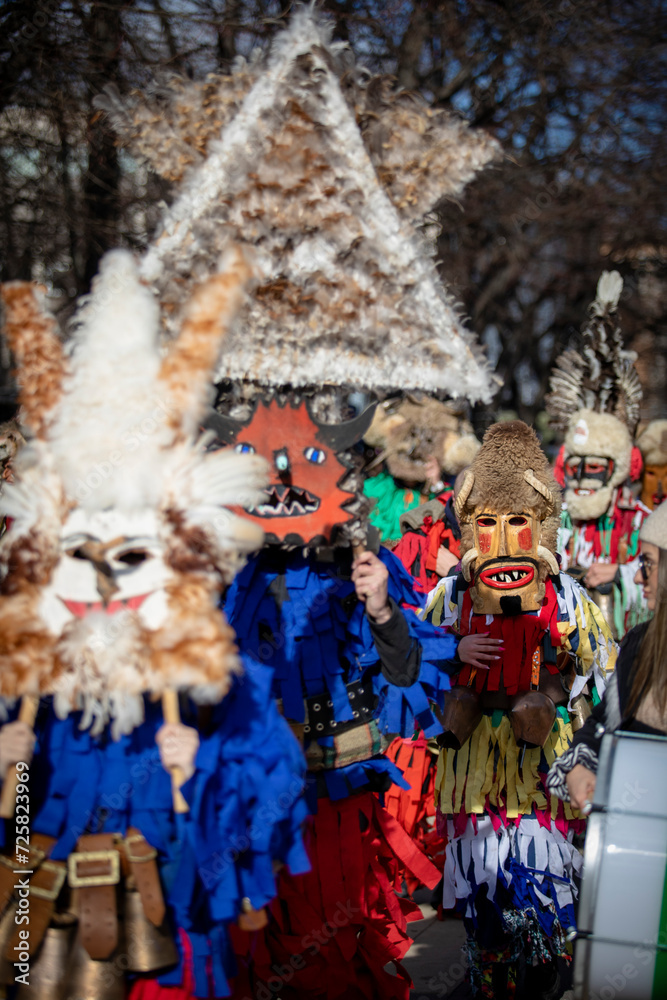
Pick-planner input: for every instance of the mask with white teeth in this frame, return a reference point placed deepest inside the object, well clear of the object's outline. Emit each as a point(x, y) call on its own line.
point(314, 488)
point(508, 508)
point(507, 568)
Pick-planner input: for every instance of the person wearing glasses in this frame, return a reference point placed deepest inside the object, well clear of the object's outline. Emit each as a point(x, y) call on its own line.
point(635, 698)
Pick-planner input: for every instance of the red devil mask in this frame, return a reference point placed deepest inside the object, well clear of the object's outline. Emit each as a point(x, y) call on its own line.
point(304, 499)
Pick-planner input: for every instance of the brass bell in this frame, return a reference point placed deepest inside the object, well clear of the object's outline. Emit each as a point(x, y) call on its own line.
point(580, 711)
point(603, 596)
point(532, 716)
point(149, 947)
point(89, 979)
point(461, 716)
point(7, 929)
point(48, 970)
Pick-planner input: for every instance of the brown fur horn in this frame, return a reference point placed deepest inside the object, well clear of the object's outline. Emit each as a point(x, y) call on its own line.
point(40, 366)
point(188, 366)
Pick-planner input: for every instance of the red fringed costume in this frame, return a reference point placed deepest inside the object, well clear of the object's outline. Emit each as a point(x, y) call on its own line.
point(415, 809)
point(336, 928)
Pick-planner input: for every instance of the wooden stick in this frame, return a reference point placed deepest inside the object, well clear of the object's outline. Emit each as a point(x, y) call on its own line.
point(172, 713)
point(357, 549)
point(27, 714)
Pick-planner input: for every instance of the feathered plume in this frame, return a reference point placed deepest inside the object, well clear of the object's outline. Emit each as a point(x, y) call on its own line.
point(113, 433)
point(421, 154)
point(328, 173)
point(601, 377)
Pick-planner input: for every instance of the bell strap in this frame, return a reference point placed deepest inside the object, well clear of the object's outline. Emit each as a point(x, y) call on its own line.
point(44, 889)
point(94, 872)
point(535, 668)
point(140, 857)
point(320, 717)
point(44, 880)
point(31, 857)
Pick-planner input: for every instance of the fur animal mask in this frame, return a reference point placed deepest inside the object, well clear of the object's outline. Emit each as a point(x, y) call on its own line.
point(121, 536)
point(508, 508)
point(411, 431)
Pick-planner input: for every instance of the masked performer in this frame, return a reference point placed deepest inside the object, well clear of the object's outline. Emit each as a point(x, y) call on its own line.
point(325, 171)
point(532, 647)
point(348, 665)
point(429, 549)
point(652, 443)
point(594, 400)
point(636, 700)
point(112, 568)
point(422, 445)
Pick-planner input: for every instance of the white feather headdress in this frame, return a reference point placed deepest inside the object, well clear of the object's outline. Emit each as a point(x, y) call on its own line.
point(601, 377)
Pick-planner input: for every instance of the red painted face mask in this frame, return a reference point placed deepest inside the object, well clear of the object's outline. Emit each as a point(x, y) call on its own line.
point(654, 485)
point(304, 500)
point(507, 565)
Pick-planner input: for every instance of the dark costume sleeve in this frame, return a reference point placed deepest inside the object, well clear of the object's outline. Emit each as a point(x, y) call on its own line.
point(399, 652)
point(607, 716)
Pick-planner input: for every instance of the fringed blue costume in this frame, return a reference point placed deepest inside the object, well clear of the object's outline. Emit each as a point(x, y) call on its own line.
point(300, 616)
point(246, 810)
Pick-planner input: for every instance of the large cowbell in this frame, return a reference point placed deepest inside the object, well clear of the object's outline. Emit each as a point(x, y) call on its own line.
point(305, 501)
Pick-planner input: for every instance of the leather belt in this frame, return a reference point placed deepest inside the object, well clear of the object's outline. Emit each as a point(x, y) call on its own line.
point(40, 848)
point(45, 880)
point(94, 873)
point(141, 857)
point(44, 889)
point(95, 870)
point(320, 718)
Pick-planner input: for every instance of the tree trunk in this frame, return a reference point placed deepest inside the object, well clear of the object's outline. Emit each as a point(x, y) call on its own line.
point(102, 179)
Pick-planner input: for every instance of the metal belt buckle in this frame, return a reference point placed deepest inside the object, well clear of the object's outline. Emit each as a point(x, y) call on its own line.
point(134, 858)
point(51, 894)
point(35, 858)
point(82, 881)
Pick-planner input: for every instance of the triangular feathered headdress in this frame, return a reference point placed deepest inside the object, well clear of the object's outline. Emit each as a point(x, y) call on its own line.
point(328, 172)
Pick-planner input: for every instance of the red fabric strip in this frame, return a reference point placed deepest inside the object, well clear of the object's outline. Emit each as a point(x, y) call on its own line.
point(405, 849)
point(521, 635)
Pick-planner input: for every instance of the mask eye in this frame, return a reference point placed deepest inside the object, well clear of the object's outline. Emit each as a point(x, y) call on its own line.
point(486, 522)
point(244, 449)
point(315, 455)
point(518, 521)
point(77, 554)
point(595, 468)
point(133, 557)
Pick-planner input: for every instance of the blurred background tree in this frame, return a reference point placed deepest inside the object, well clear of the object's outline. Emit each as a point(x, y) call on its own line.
point(574, 91)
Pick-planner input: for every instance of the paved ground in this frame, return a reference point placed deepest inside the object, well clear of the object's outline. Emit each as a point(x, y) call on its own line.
point(435, 961)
